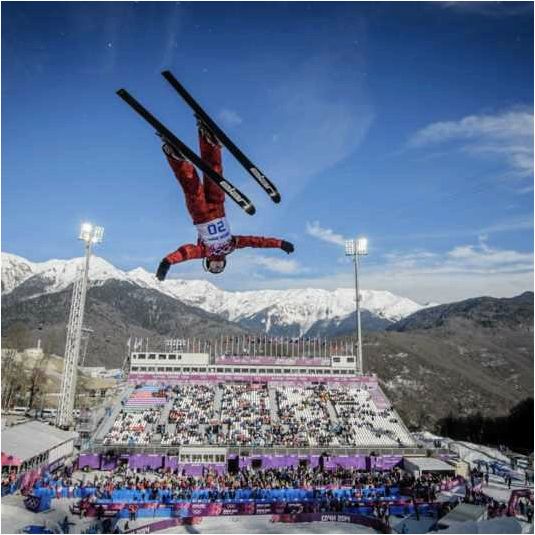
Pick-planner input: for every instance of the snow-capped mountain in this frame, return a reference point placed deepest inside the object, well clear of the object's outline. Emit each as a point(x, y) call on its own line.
point(15, 270)
point(301, 309)
point(277, 312)
point(54, 275)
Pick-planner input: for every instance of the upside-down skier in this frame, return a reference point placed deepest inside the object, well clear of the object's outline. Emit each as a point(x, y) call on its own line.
point(205, 202)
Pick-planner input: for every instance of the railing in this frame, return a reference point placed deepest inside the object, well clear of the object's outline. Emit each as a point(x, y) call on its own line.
point(253, 451)
point(253, 346)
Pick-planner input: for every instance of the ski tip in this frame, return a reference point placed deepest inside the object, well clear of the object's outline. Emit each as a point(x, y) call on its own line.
point(123, 93)
point(276, 198)
point(250, 209)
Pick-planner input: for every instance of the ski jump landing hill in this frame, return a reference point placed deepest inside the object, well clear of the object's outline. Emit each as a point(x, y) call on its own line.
point(233, 403)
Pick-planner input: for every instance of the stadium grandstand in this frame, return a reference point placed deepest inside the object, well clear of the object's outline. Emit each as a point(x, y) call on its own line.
point(271, 401)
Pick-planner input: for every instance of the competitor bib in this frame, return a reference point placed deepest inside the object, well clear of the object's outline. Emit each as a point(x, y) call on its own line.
point(215, 235)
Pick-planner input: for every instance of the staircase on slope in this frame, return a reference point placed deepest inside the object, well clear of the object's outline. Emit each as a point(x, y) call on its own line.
point(332, 412)
point(108, 421)
point(273, 406)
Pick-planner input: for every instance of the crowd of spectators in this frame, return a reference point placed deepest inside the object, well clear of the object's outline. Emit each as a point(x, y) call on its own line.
point(132, 427)
point(221, 486)
point(261, 415)
point(245, 415)
point(303, 417)
point(190, 414)
point(340, 489)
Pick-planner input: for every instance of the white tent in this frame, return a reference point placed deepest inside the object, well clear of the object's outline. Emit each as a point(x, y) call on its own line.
point(419, 465)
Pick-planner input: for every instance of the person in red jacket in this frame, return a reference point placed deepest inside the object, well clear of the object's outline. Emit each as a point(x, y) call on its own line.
point(205, 202)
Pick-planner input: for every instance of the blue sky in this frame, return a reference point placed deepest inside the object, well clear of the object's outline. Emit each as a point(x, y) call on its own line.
point(410, 123)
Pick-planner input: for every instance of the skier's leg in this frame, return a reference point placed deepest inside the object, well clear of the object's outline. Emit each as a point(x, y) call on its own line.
point(187, 177)
point(211, 154)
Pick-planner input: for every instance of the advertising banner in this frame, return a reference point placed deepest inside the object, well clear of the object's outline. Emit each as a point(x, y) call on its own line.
point(332, 517)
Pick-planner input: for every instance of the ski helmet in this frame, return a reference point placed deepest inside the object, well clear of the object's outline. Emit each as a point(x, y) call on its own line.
point(215, 265)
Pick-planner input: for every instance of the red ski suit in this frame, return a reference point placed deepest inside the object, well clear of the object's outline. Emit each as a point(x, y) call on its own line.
point(205, 202)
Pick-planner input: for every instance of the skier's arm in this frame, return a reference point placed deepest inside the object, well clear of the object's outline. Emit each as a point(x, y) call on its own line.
point(261, 242)
point(183, 253)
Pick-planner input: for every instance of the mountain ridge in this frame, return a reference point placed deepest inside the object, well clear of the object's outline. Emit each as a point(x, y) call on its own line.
point(513, 312)
point(276, 312)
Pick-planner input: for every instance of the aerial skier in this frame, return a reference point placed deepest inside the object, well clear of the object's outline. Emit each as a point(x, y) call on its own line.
point(205, 202)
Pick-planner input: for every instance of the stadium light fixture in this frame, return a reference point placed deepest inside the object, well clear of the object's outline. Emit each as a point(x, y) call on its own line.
point(90, 233)
point(362, 246)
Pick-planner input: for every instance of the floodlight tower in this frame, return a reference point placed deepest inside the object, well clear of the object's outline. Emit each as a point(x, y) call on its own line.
point(90, 235)
point(357, 248)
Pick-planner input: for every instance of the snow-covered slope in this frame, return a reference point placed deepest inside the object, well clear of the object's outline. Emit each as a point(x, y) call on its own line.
point(15, 270)
point(56, 275)
point(267, 310)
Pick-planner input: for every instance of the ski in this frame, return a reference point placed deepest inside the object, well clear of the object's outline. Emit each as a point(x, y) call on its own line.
point(252, 169)
point(234, 193)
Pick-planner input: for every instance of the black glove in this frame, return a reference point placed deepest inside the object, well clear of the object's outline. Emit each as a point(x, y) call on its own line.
point(163, 268)
point(287, 247)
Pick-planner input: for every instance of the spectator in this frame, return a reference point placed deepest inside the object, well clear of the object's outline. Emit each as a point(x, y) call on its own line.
point(529, 513)
point(132, 509)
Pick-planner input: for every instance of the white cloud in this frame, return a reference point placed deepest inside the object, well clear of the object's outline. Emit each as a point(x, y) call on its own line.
point(229, 117)
point(411, 259)
point(326, 234)
point(518, 223)
point(443, 286)
point(462, 272)
point(278, 265)
point(466, 258)
point(470, 257)
point(508, 135)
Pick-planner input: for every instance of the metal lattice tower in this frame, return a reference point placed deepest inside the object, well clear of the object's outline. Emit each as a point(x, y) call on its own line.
point(357, 248)
point(90, 235)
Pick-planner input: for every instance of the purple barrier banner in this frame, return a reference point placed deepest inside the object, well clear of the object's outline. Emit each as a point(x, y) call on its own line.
point(383, 462)
point(239, 508)
point(333, 517)
point(89, 460)
point(140, 460)
point(346, 461)
point(189, 509)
